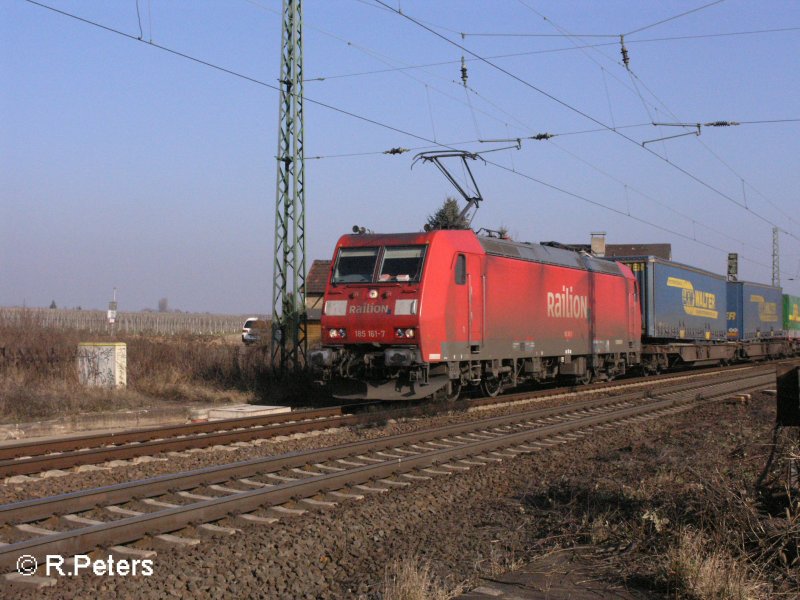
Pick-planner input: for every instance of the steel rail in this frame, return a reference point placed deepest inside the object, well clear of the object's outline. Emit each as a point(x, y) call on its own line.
point(140, 435)
point(37, 464)
point(150, 441)
point(38, 508)
point(133, 528)
point(144, 434)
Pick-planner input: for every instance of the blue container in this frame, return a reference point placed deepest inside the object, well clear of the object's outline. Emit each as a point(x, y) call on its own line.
point(754, 311)
point(679, 302)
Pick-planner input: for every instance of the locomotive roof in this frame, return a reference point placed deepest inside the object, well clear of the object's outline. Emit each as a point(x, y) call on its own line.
point(549, 255)
point(519, 250)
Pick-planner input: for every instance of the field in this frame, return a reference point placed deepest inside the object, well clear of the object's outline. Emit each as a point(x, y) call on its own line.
point(159, 323)
point(205, 362)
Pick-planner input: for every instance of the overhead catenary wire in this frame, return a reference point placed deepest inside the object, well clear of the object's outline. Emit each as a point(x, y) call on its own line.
point(664, 205)
point(389, 62)
point(367, 120)
point(231, 72)
point(617, 211)
point(585, 51)
point(507, 138)
point(385, 60)
point(615, 36)
point(583, 114)
point(678, 16)
point(634, 78)
point(725, 163)
point(139, 18)
point(552, 51)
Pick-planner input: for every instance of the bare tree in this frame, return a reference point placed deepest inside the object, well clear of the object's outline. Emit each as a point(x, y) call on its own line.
point(163, 305)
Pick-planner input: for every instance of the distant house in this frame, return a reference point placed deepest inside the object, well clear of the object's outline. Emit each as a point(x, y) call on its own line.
point(620, 250)
point(316, 280)
point(659, 250)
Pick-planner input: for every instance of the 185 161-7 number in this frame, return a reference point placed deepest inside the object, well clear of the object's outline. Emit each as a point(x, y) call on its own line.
point(371, 334)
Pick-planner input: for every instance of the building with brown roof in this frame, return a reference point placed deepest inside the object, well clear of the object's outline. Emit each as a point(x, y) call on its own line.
point(316, 281)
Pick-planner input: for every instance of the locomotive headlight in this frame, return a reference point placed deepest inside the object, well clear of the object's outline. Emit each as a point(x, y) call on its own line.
point(409, 333)
point(373, 294)
point(343, 333)
point(399, 332)
point(333, 333)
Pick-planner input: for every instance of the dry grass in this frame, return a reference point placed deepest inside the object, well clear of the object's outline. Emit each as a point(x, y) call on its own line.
point(709, 573)
point(703, 525)
point(500, 558)
point(39, 380)
point(413, 579)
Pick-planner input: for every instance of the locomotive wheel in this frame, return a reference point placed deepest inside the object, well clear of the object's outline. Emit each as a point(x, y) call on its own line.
point(453, 389)
point(491, 387)
point(584, 379)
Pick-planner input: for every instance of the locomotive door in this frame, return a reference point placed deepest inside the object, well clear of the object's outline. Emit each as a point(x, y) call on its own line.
point(476, 302)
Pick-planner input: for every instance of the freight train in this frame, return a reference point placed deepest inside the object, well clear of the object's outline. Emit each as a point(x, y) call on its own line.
point(415, 315)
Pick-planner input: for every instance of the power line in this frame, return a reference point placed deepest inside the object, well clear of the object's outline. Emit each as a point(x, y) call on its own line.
point(477, 141)
point(582, 113)
point(725, 163)
point(615, 210)
point(672, 18)
point(387, 61)
point(585, 52)
point(537, 35)
point(702, 36)
point(374, 122)
point(654, 200)
point(229, 71)
point(769, 121)
point(552, 50)
point(634, 78)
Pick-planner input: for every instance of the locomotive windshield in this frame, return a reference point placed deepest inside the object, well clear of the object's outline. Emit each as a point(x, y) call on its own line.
point(398, 263)
point(402, 263)
point(355, 265)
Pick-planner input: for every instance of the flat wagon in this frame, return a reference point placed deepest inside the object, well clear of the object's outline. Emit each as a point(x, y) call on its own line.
point(683, 313)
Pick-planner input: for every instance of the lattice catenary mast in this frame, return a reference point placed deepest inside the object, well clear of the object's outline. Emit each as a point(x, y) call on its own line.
point(776, 258)
point(288, 292)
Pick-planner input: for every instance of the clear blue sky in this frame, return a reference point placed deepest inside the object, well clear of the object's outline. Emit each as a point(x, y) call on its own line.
point(124, 166)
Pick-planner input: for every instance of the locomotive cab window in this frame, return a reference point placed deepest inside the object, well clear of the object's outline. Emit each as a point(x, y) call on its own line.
point(461, 269)
point(403, 263)
point(355, 265)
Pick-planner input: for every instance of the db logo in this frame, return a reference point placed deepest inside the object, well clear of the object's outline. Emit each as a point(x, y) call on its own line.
point(26, 565)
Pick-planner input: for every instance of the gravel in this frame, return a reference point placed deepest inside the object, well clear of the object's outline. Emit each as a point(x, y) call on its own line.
point(469, 525)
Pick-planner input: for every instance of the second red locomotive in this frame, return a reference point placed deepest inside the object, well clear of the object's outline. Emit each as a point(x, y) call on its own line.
point(419, 314)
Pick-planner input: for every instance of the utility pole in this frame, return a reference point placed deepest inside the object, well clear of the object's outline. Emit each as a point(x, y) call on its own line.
point(289, 342)
point(776, 258)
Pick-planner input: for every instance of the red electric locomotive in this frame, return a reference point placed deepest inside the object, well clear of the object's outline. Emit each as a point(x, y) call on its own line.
point(420, 314)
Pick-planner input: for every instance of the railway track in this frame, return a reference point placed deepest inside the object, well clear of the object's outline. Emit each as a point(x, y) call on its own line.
point(27, 458)
point(136, 518)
